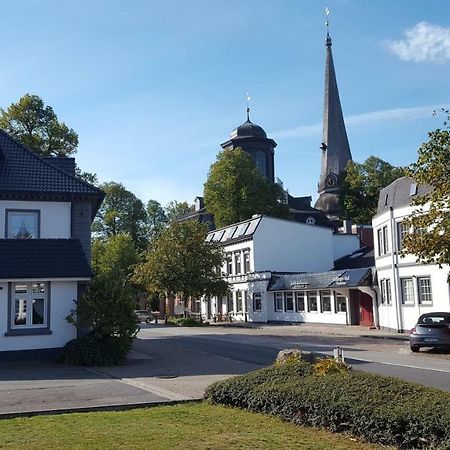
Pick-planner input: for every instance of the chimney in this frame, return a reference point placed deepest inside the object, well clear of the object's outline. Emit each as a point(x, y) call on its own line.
point(347, 226)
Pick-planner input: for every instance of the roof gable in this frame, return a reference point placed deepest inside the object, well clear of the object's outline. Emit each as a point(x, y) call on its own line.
point(22, 171)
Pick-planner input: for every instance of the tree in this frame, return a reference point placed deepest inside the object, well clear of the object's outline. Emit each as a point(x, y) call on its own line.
point(121, 212)
point(175, 209)
point(37, 126)
point(180, 262)
point(156, 218)
point(234, 190)
point(361, 184)
point(433, 207)
point(107, 308)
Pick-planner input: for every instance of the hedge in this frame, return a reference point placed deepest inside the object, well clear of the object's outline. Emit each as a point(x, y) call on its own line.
point(378, 409)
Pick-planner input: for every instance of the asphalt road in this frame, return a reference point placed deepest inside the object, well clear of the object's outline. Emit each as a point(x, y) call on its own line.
point(260, 347)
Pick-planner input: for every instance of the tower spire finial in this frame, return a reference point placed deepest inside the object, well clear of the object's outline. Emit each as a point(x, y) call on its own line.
point(327, 24)
point(248, 98)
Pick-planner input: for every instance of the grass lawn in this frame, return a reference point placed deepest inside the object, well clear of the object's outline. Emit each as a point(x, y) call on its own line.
point(189, 426)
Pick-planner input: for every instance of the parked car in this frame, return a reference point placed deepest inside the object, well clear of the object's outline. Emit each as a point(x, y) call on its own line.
point(143, 315)
point(431, 330)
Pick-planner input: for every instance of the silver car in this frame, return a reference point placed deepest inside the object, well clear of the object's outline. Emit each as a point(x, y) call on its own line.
point(431, 330)
point(143, 315)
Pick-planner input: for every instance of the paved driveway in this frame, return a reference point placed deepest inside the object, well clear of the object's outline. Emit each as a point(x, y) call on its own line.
point(170, 364)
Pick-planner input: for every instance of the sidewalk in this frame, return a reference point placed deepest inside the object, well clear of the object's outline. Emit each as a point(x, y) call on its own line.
point(319, 328)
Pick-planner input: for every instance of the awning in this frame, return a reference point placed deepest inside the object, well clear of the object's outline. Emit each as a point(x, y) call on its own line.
point(321, 280)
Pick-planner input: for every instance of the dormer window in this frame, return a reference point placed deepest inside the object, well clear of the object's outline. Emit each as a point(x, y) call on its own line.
point(22, 224)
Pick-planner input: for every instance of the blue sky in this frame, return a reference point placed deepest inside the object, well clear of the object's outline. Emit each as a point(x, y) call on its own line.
point(154, 87)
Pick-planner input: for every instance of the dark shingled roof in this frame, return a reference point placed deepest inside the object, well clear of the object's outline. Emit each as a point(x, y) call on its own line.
point(43, 258)
point(22, 171)
point(363, 257)
point(321, 280)
point(400, 192)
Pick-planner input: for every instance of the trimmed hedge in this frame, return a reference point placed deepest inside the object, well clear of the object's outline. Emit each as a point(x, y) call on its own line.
point(383, 410)
point(184, 322)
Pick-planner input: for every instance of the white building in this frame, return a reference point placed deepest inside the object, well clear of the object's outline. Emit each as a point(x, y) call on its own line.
point(281, 270)
point(45, 246)
point(407, 288)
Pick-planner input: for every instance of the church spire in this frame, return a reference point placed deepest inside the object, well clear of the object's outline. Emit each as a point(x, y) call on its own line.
point(335, 149)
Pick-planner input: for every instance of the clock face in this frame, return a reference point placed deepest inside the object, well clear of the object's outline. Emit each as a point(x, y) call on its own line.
point(330, 181)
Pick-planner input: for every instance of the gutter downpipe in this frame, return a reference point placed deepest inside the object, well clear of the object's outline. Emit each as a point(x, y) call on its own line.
point(394, 261)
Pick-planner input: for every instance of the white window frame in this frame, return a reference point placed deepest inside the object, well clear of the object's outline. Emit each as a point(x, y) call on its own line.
point(239, 302)
point(402, 231)
point(10, 213)
point(277, 301)
point(323, 294)
point(246, 261)
point(28, 298)
point(407, 294)
point(237, 263)
point(338, 297)
point(313, 294)
point(257, 296)
point(291, 295)
point(300, 296)
point(421, 294)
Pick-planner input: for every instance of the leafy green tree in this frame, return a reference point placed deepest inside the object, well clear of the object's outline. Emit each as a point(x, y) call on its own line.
point(107, 308)
point(361, 184)
point(156, 218)
point(175, 209)
point(234, 190)
point(180, 262)
point(37, 126)
point(433, 207)
point(121, 212)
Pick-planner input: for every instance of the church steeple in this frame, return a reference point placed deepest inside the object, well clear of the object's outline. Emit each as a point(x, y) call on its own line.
point(335, 148)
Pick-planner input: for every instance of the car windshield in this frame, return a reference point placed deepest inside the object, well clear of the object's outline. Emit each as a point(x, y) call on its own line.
point(435, 319)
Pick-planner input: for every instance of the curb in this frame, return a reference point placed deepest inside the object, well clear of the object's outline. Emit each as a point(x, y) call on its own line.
point(98, 408)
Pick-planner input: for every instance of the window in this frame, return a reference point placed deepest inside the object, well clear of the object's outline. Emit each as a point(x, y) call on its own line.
point(257, 303)
point(22, 224)
point(28, 306)
point(229, 265)
point(230, 306)
point(424, 289)
point(239, 301)
point(289, 301)
point(325, 301)
point(402, 231)
point(407, 291)
point(341, 303)
point(260, 162)
point(299, 301)
point(237, 262)
point(383, 242)
point(247, 261)
point(278, 301)
point(312, 301)
point(386, 291)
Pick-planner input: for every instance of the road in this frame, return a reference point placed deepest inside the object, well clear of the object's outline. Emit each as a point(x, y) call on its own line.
point(260, 347)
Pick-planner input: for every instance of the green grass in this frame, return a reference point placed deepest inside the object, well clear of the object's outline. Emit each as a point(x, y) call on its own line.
point(196, 426)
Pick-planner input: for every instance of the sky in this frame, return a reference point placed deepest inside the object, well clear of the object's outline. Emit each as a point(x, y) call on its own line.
point(154, 87)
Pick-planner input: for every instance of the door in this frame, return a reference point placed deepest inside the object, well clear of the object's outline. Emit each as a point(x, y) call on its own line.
point(365, 310)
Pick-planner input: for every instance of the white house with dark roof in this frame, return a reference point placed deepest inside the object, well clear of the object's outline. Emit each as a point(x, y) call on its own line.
point(45, 248)
point(282, 271)
point(407, 288)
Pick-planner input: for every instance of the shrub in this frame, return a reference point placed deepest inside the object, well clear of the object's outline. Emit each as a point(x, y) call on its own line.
point(184, 322)
point(95, 350)
point(326, 366)
point(379, 409)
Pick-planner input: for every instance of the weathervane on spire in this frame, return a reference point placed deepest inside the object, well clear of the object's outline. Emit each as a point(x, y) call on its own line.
point(327, 24)
point(248, 98)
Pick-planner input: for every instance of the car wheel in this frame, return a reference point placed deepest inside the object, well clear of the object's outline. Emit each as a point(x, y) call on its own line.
point(415, 348)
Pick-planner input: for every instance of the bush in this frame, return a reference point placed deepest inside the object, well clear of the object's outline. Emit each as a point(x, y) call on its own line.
point(184, 322)
point(379, 409)
point(326, 366)
point(95, 350)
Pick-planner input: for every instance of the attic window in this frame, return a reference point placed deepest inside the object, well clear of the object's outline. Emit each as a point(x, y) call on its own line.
point(386, 199)
point(413, 189)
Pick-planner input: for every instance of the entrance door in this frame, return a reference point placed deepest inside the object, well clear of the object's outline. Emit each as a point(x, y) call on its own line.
point(365, 310)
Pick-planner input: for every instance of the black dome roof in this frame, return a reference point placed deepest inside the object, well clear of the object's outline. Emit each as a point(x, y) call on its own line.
point(248, 129)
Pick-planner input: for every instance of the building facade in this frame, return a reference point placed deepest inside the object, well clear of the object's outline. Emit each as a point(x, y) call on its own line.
point(285, 271)
point(45, 247)
point(407, 288)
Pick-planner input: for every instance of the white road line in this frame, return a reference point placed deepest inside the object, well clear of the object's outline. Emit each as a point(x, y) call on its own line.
point(399, 365)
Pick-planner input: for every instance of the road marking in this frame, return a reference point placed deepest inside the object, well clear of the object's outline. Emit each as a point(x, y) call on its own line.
point(400, 365)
